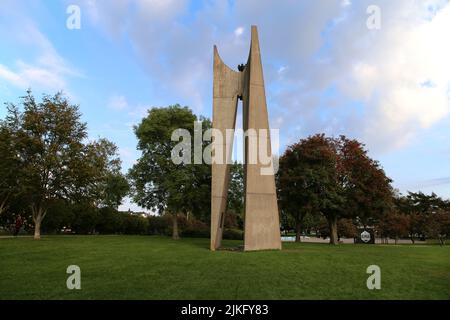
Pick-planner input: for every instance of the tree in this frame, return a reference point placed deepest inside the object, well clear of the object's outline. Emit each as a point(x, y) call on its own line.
point(98, 173)
point(420, 209)
point(85, 217)
point(416, 217)
point(10, 167)
point(307, 182)
point(438, 225)
point(420, 202)
point(235, 200)
point(158, 183)
point(394, 225)
point(60, 215)
point(311, 223)
point(334, 177)
point(109, 221)
point(368, 191)
point(48, 138)
point(115, 188)
point(198, 197)
point(347, 229)
point(304, 169)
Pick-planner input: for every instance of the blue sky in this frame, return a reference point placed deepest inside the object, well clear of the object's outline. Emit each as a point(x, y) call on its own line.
point(325, 70)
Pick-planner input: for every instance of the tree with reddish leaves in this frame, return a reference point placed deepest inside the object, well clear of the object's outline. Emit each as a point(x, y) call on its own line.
point(394, 225)
point(346, 228)
point(368, 191)
point(438, 225)
point(334, 177)
point(421, 209)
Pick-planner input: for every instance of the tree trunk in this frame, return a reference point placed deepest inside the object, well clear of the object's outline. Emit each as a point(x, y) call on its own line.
point(37, 229)
point(332, 222)
point(2, 208)
point(38, 213)
point(175, 234)
point(3, 203)
point(298, 230)
point(396, 240)
point(412, 240)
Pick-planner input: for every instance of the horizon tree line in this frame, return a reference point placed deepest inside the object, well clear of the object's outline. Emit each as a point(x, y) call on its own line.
point(323, 183)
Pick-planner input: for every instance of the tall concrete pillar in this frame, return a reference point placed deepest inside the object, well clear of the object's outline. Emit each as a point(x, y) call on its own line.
point(262, 226)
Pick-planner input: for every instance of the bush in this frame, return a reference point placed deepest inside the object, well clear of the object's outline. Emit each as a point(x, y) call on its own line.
point(110, 221)
point(195, 233)
point(233, 234)
point(132, 224)
point(195, 229)
point(85, 218)
point(60, 214)
point(192, 232)
point(158, 225)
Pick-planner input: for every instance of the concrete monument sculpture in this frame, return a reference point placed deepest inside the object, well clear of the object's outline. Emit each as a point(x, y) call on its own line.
point(262, 226)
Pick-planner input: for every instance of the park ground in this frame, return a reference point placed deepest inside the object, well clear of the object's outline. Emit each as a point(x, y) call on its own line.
point(150, 267)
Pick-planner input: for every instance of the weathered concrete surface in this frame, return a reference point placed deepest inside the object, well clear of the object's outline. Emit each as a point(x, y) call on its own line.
point(262, 227)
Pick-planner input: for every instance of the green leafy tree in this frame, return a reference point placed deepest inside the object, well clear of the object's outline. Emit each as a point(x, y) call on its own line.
point(109, 221)
point(394, 225)
point(85, 217)
point(311, 223)
point(157, 182)
point(420, 202)
point(60, 214)
point(115, 188)
point(235, 205)
point(48, 138)
point(307, 181)
point(199, 196)
point(438, 226)
point(420, 209)
point(10, 165)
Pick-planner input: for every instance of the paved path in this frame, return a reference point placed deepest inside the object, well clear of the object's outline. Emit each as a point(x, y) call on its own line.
point(9, 237)
point(320, 240)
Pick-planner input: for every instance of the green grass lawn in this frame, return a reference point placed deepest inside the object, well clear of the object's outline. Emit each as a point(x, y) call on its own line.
point(146, 267)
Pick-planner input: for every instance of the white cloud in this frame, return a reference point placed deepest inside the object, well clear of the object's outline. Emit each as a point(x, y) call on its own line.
point(389, 78)
point(12, 77)
point(46, 71)
point(118, 103)
point(26, 75)
point(239, 31)
point(342, 78)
